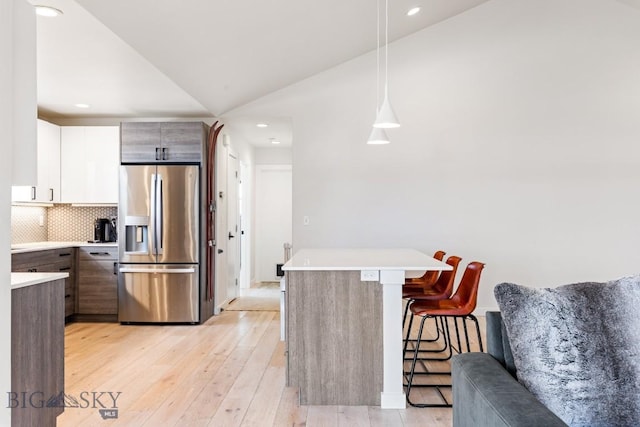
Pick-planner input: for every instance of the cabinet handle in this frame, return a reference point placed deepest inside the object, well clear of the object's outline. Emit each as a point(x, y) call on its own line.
point(33, 193)
point(65, 254)
point(67, 296)
point(115, 268)
point(51, 194)
point(99, 253)
point(164, 153)
point(32, 270)
point(64, 268)
point(157, 153)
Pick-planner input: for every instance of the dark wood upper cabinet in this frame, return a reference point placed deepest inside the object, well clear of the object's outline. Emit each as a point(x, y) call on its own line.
point(162, 142)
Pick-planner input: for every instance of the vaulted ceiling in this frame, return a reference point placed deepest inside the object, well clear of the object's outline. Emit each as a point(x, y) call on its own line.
point(199, 58)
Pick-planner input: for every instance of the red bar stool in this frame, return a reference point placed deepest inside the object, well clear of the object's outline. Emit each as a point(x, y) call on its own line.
point(459, 306)
point(428, 278)
point(441, 289)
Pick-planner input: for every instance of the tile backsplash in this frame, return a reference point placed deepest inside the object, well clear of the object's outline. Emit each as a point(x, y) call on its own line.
point(25, 224)
point(60, 222)
point(75, 224)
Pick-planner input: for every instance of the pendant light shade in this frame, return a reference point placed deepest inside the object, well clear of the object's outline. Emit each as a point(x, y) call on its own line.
point(378, 137)
point(386, 118)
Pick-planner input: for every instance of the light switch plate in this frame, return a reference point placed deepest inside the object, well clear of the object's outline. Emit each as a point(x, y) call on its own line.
point(369, 275)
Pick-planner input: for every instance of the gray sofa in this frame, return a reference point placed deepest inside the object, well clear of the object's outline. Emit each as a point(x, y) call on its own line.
point(486, 392)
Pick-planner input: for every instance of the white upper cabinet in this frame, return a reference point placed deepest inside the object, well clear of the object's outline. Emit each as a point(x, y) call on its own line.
point(89, 167)
point(47, 188)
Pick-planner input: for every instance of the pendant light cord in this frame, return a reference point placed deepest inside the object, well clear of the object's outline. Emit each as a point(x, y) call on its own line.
point(378, 59)
point(386, 46)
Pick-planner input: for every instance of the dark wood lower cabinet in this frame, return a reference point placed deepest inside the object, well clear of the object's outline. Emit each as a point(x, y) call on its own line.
point(37, 354)
point(61, 260)
point(91, 291)
point(97, 283)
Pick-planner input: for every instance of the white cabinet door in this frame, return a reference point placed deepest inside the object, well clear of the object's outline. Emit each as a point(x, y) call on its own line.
point(48, 162)
point(48, 168)
point(90, 160)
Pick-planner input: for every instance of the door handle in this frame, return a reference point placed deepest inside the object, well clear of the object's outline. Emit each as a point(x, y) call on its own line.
point(220, 251)
point(231, 236)
point(157, 270)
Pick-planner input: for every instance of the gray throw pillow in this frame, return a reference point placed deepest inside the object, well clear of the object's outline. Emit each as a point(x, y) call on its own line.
point(577, 348)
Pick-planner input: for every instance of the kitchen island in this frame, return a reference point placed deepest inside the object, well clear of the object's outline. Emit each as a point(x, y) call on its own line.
point(343, 321)
point(37, 348)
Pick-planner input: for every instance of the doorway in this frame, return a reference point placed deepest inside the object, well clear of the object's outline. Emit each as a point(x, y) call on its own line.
point(273, 219)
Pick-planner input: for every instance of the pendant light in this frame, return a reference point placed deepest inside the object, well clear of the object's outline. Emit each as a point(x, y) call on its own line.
point(386, 116)
point(378, 136)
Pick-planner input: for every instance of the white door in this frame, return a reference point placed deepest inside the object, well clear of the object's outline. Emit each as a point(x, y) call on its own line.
point(245, 227)
point(273, 218)
point(220, 293)
point(233, 227)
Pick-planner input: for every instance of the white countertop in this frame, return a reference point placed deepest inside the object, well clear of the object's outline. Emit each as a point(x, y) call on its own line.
point(39, 246)
point(20, 280)
point(363, 259)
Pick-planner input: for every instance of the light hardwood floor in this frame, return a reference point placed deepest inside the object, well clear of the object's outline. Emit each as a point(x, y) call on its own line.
point(228, 372)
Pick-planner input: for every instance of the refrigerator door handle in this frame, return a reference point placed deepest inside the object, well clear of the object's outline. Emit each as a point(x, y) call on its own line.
point(157, 270)
point(160, 215)
point(154, 225)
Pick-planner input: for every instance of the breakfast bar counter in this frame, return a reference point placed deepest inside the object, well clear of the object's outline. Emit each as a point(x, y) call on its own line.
point(343, 321)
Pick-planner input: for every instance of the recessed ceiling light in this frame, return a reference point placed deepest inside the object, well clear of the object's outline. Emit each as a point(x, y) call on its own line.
point(262, 125)
point(47, 11)
point(82, 105)
point(413, 11)
point(274, 141)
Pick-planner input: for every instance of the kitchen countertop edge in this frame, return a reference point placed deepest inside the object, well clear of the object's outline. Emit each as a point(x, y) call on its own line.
point(21, 280)
point(43, 246)
point(348, 259)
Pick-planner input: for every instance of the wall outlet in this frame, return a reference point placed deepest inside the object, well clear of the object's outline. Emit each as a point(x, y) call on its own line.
point(305, 220)
point(369, 276)
point(41, 221)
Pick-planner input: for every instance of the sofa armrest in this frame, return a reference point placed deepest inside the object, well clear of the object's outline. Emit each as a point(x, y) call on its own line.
point(485, 394)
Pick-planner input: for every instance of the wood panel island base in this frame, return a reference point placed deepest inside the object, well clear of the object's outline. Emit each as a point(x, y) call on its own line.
point(343, 320)
point(37, 348)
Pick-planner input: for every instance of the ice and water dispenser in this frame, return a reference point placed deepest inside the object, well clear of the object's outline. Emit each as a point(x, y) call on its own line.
point(136, 239)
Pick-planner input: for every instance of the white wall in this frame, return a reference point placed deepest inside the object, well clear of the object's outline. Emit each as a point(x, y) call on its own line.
point(25, 94)
point(17, 119)
point(273, 156)
point(6, 138)
point(519, 145)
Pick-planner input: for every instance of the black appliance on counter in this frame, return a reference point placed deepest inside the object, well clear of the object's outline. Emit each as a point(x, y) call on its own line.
point(104, 230)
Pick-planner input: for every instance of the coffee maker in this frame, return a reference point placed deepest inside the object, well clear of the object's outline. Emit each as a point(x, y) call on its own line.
point(104, 230)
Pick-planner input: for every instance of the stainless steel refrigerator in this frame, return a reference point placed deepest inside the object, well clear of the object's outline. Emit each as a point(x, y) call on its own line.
point(159, 240)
